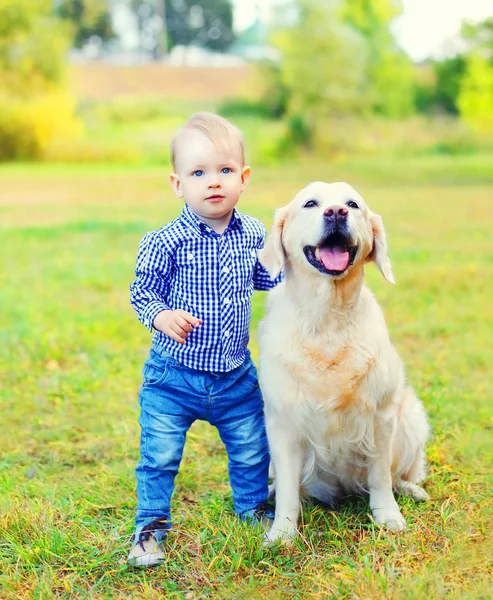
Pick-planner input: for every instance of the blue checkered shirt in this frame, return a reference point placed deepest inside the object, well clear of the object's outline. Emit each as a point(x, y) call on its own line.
point(187, 265)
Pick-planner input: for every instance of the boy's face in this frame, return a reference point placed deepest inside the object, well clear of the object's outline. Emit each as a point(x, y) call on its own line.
point(208, 178)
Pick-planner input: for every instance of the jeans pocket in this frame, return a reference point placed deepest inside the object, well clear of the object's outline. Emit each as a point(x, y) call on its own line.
point(250, 379)
point(156, 370)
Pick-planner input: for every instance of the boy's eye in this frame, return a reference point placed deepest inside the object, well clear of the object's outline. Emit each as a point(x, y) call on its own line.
point(226, 170)
point(198, 173)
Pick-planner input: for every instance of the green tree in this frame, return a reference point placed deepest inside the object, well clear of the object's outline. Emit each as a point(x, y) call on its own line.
point(475, 100)
point(450, 72)
point(390, 72)
point(322, 69)
point(87, 18)
point(479, 36)
point(35, 109)
point(33, 44)
point(208, 23)
point(448, 76)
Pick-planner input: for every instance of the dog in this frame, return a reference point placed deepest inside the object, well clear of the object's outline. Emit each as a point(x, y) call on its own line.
point(339, 417)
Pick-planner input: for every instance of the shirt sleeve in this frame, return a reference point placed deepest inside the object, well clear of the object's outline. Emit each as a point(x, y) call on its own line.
point(149, 291)
point(261, 278)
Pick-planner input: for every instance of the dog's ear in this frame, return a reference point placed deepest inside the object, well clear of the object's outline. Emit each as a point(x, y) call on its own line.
point(379, 251)
point(272, 254)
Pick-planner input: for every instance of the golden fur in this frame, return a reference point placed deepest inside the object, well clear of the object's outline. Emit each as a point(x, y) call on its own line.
point(339, 416)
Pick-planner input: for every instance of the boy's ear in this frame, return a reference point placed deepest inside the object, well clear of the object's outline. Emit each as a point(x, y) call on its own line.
point(379, 251)
point(272, 254)
point(176, 184)
point(246, 173)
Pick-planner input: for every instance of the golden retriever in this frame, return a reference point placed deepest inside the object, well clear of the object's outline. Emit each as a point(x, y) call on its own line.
point(339, 416)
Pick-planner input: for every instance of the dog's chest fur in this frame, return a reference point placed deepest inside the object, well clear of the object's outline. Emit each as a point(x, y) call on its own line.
point(335, 375)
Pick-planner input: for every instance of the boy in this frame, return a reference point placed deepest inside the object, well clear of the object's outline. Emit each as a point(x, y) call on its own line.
point(193, 286)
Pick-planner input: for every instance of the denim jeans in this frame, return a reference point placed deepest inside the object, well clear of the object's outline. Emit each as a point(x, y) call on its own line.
point(172, 397)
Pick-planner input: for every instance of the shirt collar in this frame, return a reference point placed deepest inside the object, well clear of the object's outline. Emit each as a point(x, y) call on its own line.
point(193, 220)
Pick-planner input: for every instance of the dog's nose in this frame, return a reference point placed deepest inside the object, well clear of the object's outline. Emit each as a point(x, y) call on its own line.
point(336, 213)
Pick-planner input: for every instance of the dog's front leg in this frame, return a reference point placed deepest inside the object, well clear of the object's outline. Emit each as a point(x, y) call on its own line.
point(383, 506)
point(287, 458)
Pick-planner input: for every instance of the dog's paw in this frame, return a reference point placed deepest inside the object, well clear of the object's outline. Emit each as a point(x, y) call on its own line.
point(412, 490)
point(283, 532)
point(391, 519)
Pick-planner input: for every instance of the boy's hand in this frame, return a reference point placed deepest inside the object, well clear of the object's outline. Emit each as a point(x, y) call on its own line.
point(176, 324)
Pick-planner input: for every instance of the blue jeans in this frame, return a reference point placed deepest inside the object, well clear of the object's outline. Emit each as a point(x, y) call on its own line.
point(172, 397)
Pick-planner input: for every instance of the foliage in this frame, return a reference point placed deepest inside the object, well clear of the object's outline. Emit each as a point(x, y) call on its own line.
point(87, 17)
point(322, 66)
point(389, 71)
point(340, 58)
point(208, 23)
point(479, 37)
point(476, 93)
point(449, 73)
point(28, 127)
point(70, 362)
point(32, 46)
point(240, 107)
point(34, 108)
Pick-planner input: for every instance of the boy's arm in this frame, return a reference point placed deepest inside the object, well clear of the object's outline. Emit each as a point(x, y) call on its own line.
point(262, 280)
point(152, 276)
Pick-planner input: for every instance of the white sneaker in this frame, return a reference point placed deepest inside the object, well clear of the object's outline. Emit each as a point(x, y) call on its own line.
point(146, 553)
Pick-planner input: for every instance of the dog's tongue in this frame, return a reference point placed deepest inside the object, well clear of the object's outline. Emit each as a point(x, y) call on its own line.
point(334, 259)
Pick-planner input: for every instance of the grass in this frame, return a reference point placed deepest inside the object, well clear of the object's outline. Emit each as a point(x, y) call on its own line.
point(70, 362)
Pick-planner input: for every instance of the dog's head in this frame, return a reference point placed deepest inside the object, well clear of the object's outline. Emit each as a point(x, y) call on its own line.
point(328, 228)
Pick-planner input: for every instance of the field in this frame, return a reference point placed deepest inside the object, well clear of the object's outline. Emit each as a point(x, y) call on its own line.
point(70, 361)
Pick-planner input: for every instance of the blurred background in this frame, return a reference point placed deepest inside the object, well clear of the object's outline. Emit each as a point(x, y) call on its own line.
point(109, 80)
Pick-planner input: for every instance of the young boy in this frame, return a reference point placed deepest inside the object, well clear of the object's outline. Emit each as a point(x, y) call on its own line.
point(193, 286)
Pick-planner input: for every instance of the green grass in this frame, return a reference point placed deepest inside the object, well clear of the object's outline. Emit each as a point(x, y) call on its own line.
point(72, 350)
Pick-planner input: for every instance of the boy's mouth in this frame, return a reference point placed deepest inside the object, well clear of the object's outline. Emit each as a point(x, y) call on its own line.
point(215, 198)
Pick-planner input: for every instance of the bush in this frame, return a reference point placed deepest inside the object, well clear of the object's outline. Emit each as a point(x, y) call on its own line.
point(476, 94)
point(29, 127)
point(243, 107)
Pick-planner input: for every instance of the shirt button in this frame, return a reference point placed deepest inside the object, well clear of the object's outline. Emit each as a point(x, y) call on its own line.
point(254, 253)
point(227, 300)
point(227, 333)
point(225, 269)
point(190, 256)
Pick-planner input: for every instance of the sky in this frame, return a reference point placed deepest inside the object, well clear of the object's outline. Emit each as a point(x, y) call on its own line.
point(425, 28)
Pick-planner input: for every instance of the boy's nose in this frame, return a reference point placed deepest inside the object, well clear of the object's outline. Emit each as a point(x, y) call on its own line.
point(214, 182)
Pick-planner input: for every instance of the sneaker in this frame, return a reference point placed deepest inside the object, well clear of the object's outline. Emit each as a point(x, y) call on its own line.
point(147, 552)
point(263, 513)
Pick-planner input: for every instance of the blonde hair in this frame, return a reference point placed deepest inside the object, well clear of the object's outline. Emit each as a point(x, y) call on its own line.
point(219, 131)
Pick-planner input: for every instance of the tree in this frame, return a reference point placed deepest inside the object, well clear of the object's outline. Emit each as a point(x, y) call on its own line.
point(475, 100)
point(322, 68)
point(32, 46)
point(480, 37)
point(34, 107)
point(87, 18)
point(390, 72)
point(207, 23)
point(448, 74)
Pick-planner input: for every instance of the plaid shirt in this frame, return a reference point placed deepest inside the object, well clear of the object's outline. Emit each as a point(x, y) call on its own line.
point(187, 265)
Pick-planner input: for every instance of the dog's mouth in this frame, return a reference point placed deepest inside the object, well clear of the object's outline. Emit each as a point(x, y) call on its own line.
point(334, 254)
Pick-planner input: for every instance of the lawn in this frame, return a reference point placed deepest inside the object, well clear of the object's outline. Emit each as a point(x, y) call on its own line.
point(70, 366)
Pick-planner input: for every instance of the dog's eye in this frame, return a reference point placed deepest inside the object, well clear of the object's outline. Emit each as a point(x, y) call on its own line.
point(352, 204)
point(310, 204)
